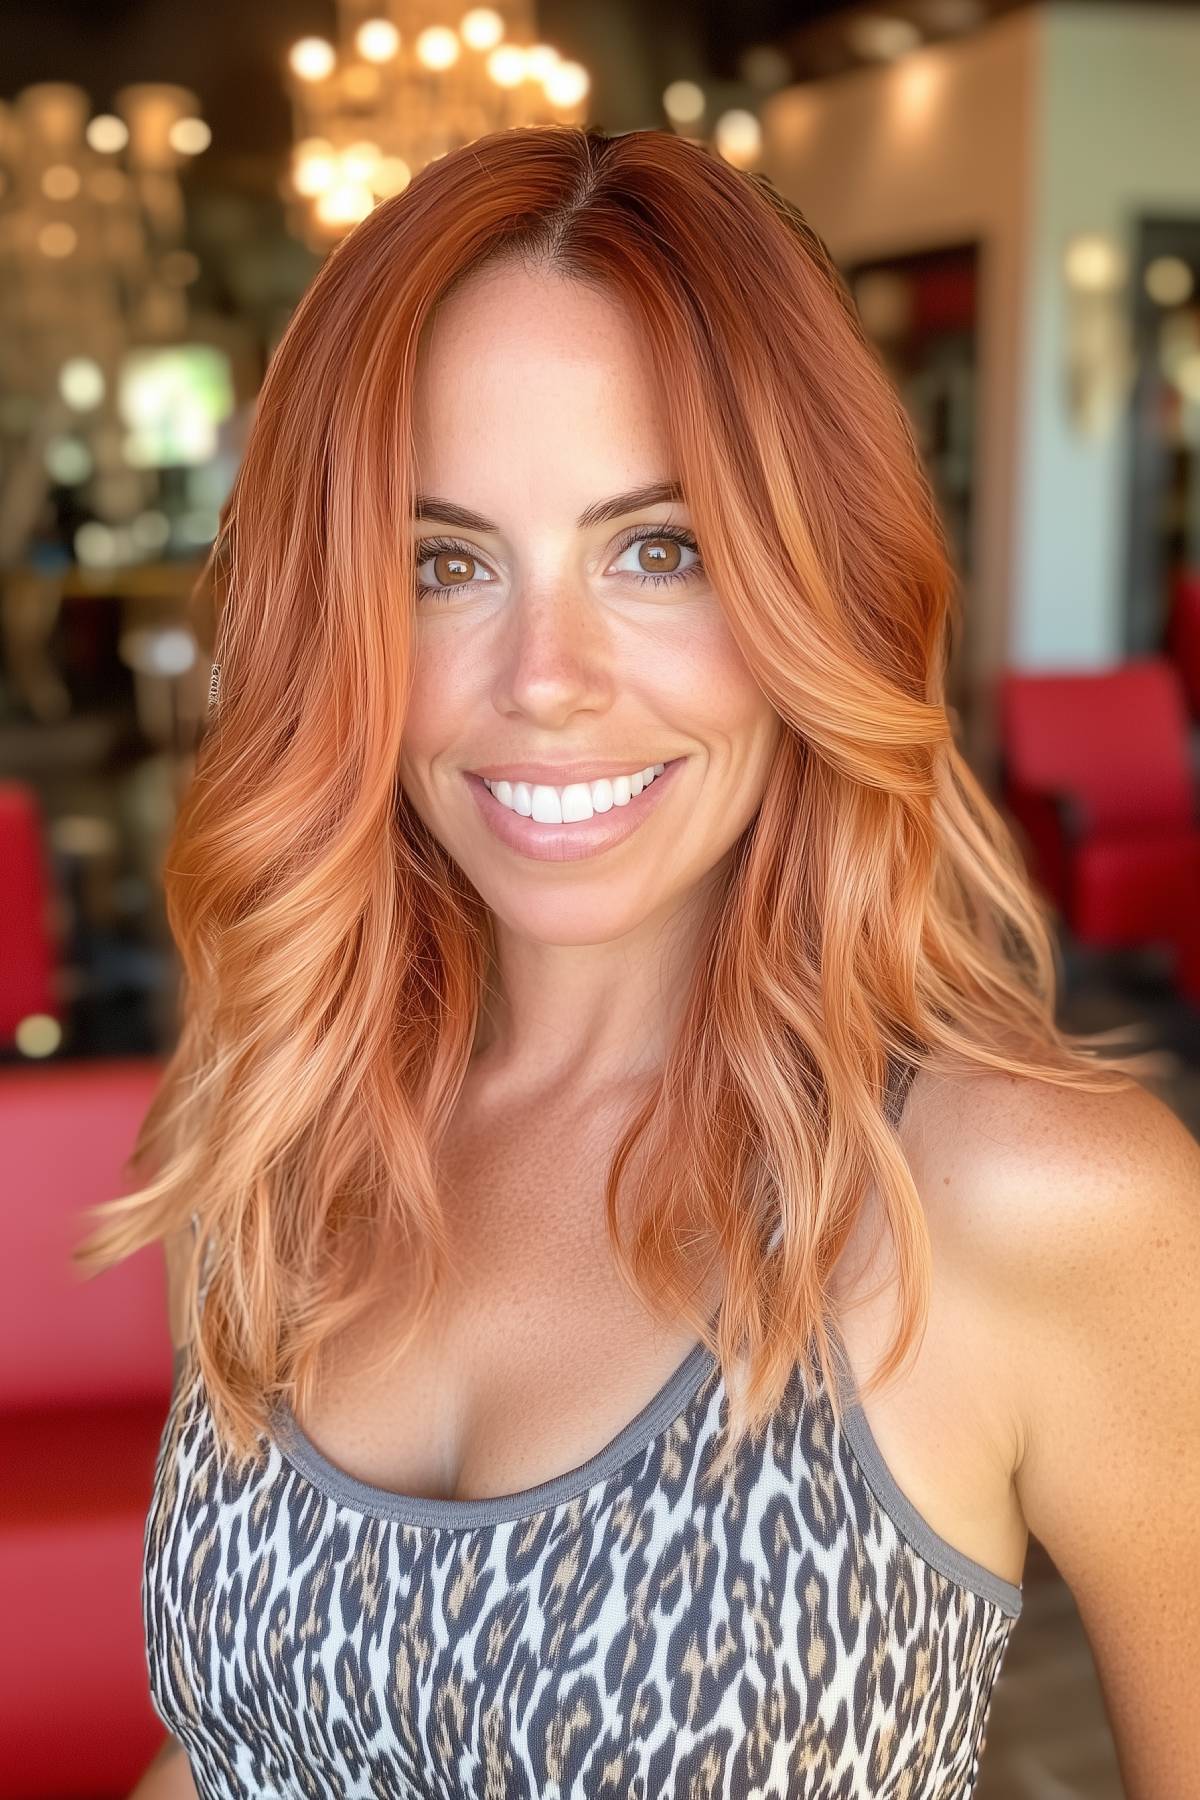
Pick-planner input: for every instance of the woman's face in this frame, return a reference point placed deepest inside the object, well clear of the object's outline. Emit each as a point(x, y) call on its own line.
point(567, 636)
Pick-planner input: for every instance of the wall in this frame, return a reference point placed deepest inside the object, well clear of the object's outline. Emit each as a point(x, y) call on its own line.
point(1049, 122)
point(1119, 135)
point(935, 150)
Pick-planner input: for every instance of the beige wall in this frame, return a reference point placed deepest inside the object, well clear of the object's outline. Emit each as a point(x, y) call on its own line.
point(1120, 138)
point(936, 150)
point(1053, 121)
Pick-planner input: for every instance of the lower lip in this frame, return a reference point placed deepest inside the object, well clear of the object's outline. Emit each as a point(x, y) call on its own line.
point(583, 837)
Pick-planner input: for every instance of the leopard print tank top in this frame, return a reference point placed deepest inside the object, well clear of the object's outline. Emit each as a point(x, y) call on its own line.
point(623, 1631)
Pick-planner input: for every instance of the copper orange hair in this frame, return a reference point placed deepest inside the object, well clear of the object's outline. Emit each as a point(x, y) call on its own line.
point(333, 955)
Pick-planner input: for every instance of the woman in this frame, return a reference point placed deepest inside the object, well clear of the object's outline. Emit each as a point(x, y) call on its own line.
point(642, 1255)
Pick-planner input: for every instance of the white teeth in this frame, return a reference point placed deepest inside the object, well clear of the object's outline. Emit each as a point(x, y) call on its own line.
point(578, 800)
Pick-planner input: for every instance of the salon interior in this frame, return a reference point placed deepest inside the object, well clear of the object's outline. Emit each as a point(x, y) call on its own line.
point(1012, 193)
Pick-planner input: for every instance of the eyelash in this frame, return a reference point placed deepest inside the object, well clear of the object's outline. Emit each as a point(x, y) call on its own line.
point(452, 547)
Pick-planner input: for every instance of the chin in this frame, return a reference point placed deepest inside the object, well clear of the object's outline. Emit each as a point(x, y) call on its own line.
point(572, 920)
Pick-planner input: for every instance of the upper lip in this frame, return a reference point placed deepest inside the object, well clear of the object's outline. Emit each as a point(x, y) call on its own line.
point(562, 774)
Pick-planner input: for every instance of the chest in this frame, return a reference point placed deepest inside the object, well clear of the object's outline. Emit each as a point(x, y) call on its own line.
point(538, 1354)
point(535, 1356)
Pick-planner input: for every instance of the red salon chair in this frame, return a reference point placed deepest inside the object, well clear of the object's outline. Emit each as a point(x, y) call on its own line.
point(85, 1377)
point(28, 953)
point(1183, 634)
point(1095, 772)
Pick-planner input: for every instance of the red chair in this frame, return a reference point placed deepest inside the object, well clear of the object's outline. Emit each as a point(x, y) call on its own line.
point(85, 1376)
point(1183, 634)
point(28, 951)
point(1095, 771)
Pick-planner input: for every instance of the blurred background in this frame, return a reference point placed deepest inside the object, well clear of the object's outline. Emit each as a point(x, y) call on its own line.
point(1013, 194)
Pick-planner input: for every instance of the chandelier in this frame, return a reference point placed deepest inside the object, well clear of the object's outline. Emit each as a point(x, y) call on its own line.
point(407, 81)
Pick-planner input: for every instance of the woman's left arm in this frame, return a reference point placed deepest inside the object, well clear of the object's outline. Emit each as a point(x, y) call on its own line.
point(1106, 1362)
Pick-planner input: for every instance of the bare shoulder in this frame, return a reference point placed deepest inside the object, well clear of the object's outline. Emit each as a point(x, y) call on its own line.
point(1044, 1185)
point(1073, 1218)
point(1068, 1215)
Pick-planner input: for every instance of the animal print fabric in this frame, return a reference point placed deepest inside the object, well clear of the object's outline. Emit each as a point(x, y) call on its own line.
point(625, 1630)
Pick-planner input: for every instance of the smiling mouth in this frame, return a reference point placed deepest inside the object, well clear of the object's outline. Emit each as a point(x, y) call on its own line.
point(576, 801)
point(531, 819)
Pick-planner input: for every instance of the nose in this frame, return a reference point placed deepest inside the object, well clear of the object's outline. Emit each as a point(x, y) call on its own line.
point(555, 658)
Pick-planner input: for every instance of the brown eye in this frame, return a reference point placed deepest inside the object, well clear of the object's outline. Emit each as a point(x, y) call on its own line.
point(662, 557)
point(658, 556)
point(445, 567)
point(450, 569)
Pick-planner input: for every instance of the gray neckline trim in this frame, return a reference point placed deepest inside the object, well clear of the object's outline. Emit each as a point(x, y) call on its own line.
point(660, 1412)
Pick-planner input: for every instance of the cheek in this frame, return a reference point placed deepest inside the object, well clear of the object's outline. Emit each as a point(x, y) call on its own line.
point(439, 704)
point(434, 730)
point(709, 683)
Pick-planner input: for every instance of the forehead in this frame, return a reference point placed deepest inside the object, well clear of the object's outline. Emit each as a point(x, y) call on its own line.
point(527, 379)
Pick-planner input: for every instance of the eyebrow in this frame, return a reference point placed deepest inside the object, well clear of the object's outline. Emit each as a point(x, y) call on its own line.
point(656, 493)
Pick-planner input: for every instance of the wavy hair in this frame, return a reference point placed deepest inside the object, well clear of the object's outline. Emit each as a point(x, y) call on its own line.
point(334, 956)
